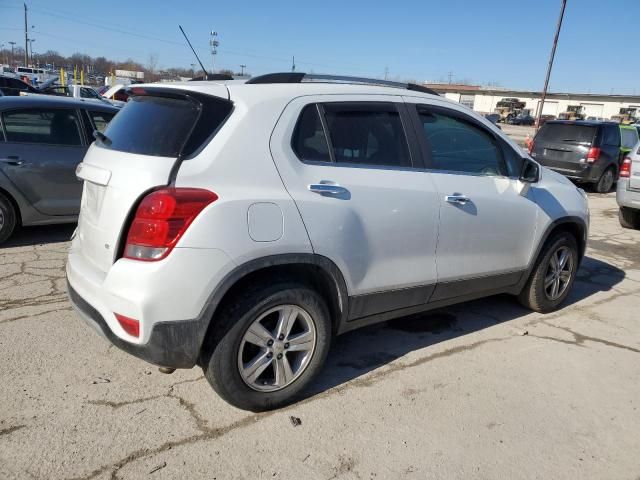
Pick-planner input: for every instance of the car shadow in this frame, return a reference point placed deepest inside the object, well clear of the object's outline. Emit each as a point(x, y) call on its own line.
point(357, 353)
point(40, 235)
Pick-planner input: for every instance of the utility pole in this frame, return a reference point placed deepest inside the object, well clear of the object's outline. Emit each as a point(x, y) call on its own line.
point(450, 75)
point(553, 54)
point(213, 43)
point(293, 63)
point(386, 72)
point(13, 60)
point(242, 67)
point(26, 38)
point(31, 40)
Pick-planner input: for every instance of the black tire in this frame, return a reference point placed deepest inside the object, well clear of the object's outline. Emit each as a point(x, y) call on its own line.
point(8, 218)
point(221, 367)
point(533, 295)
point(629, 218)
point(606, 182)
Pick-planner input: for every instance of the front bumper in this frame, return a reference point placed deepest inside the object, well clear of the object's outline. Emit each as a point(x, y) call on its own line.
point(171, 344)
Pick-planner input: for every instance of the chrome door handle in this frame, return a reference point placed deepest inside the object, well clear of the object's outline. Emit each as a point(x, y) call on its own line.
point(327, 189)
point(12, 160)
point(457, 199)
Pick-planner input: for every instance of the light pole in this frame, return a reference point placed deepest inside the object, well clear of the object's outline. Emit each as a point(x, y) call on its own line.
point(193, 70)
point(13, 60)
point(31, 40)
point(553, 54)
point(242, 67)
point(213, 43)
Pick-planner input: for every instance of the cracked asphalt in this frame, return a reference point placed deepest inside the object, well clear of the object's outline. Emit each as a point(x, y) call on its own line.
point(481, 390)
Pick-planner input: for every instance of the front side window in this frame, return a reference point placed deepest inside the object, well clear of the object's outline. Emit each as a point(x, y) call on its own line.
point(459, 146)
point(42, 126)
point(367, 134)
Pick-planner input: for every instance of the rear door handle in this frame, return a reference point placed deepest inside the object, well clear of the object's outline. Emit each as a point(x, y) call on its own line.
point(327, 189)
point(12, 160)
point(457, 199)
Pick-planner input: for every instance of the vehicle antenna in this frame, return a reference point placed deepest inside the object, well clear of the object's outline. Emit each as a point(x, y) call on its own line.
point(194, 52)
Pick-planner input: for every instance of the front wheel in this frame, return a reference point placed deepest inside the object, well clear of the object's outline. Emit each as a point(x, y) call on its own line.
point(8, 218)
point(270, 344)
point(553, 274)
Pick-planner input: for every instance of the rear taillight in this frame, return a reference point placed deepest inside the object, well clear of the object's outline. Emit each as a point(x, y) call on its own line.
point(161, 219)
point(593, 155)
point(625, 168)
point(129, 325)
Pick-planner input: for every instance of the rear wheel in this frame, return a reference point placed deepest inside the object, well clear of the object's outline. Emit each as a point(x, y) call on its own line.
point(269, 345)
point(607, 179)
point(629, 218)
point(553, 275)
point(8, 218)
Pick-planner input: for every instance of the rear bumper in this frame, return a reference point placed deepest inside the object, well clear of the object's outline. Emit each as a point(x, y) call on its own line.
point(170, 344)
point(625, 197)
point(169, 298)
point(588, 173)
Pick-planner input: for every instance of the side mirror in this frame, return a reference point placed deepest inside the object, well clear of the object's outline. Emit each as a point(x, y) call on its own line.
point(530, 172)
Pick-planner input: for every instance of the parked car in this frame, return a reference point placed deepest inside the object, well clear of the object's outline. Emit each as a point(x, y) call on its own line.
point(13, 87)
point(521, 120)
point(117, 93)
point(248, 223)
point(628, 138)
point(586, 152)
point(42, 140)
point(628, 190)
point(545, 118)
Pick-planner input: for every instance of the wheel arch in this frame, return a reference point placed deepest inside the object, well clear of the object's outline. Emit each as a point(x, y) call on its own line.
point(576, 226)
point(311, 269)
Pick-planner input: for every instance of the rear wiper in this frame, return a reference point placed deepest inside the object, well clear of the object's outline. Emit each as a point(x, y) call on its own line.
point(102, 137)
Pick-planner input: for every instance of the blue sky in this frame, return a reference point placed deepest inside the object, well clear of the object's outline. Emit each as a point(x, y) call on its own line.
point(503, 41)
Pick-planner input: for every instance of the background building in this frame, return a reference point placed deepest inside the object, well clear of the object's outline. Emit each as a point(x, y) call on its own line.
point(484, 100)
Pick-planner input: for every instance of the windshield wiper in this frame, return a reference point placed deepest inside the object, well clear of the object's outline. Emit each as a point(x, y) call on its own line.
point(102, 137)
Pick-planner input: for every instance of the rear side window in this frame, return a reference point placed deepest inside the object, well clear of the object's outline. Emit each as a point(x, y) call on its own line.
point(611, 136)
point(164, 127)
point(100, 120)
point(367, 134)
point(629, 137)
point(309, 141)
point(566, 133)
point(459, 146)
point(50, 127)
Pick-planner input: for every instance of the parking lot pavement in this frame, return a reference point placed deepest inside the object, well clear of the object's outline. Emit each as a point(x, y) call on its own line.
point(518, 132)
point(481, 390)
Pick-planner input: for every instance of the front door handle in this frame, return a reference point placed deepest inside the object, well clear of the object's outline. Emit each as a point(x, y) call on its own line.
point(12, 160)
point(327, 189)
point(457, 199)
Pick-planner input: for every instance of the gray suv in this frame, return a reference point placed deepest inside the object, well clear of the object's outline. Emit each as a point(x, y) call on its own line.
point(42, 140)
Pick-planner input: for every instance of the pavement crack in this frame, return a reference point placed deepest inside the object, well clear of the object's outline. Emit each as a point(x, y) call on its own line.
point(7, 431)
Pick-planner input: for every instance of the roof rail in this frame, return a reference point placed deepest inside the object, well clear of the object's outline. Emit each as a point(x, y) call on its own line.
point(299, 77)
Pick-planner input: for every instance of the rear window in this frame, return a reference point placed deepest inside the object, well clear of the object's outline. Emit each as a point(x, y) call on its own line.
point(165, 127)
point(566, 133)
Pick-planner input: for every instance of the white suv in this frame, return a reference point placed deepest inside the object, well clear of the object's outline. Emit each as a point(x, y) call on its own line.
point(239, 226)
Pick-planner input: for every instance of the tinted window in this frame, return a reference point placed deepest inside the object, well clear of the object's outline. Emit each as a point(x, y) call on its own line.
point(367, 134)
point(87, 92)
point(165, 127)
point(460, 146)
point(566, 133)
point(629, 137)
point(52, 127)
point(611, 136)
point(100, 120)
point(309, 141)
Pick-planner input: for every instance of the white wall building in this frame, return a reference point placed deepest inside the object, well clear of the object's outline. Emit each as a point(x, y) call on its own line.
point(484, 100)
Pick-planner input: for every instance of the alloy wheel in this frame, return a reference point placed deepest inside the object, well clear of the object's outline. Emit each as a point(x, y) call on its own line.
point(276, 348)
point(559, 273)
